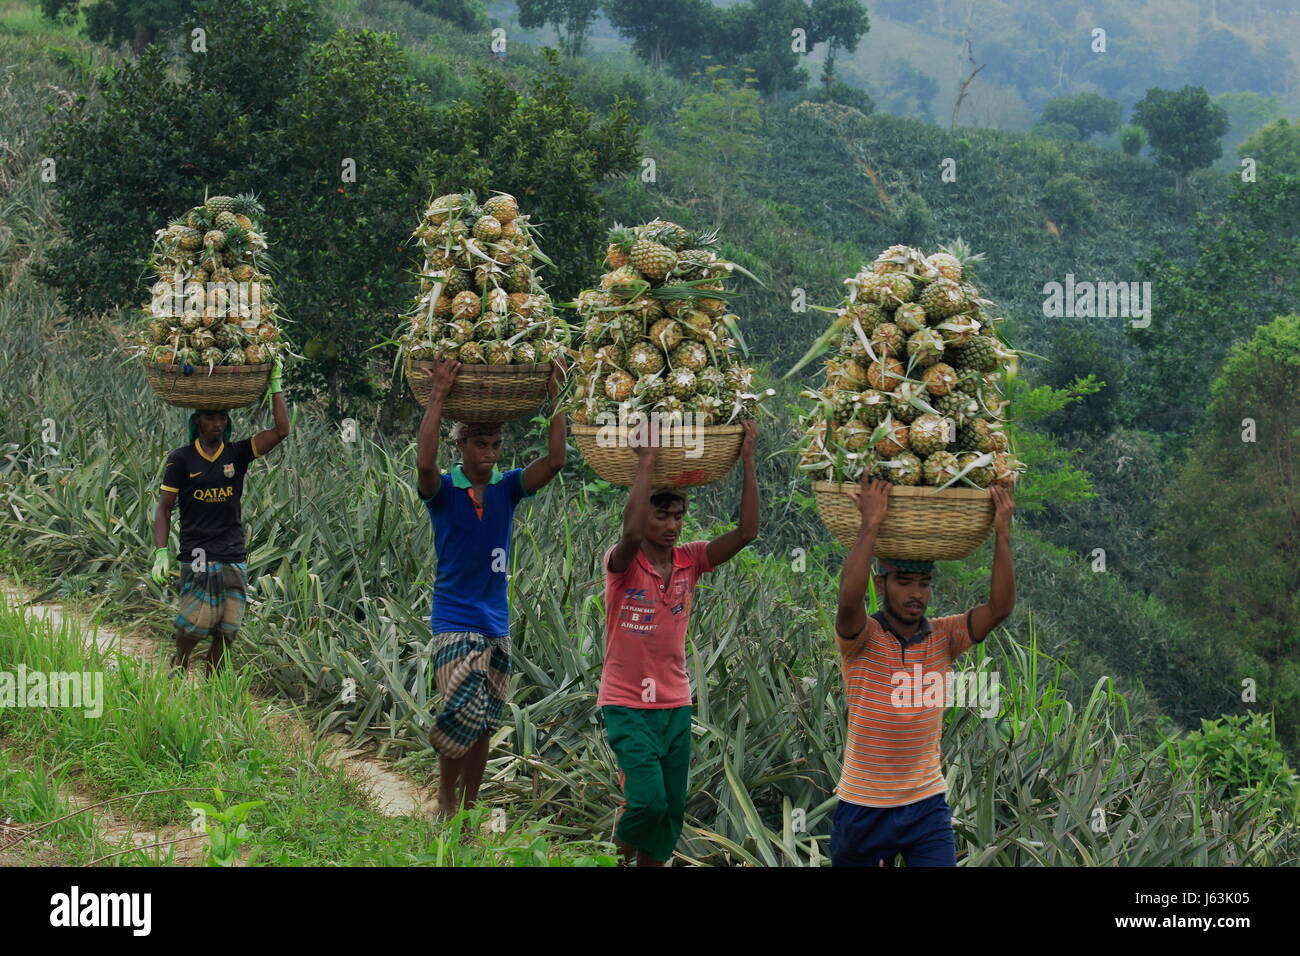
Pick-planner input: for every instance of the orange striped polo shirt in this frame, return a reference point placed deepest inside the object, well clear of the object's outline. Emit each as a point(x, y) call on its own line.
point(891, 756)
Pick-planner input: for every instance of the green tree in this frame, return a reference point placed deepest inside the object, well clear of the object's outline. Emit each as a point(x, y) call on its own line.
point(1231, 521)
point(1247, 112)
point(1183, 129)
point(544, 147)
point(469, 15)
point(839, 24)
point(667, 33)
point(1247, 268)
point(1074, 355)
point(268, 109)
point(717, 126)
point(1275, 149)
point(1087, 113)
point(571, 19)
point(119, 21)
point(1132, 139)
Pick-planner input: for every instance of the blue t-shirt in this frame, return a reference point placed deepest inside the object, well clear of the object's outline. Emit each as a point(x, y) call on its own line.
point(469, 592)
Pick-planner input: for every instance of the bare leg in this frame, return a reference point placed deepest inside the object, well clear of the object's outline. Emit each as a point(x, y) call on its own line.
point(449, 770)
point(472, 767)
point(217, 651)
point(184, 646)
point(643, 860)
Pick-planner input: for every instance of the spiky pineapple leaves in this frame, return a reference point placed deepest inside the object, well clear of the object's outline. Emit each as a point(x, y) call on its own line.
point(823, 342)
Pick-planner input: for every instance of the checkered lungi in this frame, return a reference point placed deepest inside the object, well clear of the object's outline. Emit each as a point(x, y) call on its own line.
point(472, 672)
point(212, 599)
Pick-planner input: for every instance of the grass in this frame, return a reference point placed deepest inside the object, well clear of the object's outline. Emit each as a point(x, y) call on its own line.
point(157, 733)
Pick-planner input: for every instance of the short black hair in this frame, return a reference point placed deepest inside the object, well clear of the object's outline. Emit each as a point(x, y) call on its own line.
point(663, 499)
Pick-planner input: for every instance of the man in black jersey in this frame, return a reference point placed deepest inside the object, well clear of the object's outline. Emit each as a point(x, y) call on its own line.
point(207, 477)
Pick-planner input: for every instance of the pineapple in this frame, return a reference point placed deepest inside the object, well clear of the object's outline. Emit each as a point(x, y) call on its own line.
point(681, 382)
point(929, 434)
point(699, 326)
point(905, 400)
point(942, 298)
point(895, 440)
point(980, 465)
point(644, 359)
point(873, 406)
point(893, 289)
point(618, 385)
point(845, 373)
point(867, 314)
point(958, 331)
point(211, 356)
point(502, 207)
point(887, 339)
point(666, 334)
point(976, 435)
point(925, 347)
point(652, 260)
point(1006, 468)
point(460, 331)
point(466, 305)
point(610, 356)
point(710, 379)
point(853, 435)
point(885, 374)
point(909, 317)
point(981, 354)
point(955, 406)
point(940, 468)
point(939, 378)
point(498, 352)
point(216, 205)
point(487, 228)
point(472, 353)
point(903, 469)
point(690, 355)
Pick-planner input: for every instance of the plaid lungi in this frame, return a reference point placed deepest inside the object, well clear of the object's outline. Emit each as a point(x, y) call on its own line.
point(212, 599)
point(472, 672)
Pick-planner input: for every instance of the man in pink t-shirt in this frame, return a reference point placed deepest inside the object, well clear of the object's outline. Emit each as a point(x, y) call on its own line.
point(645, 695)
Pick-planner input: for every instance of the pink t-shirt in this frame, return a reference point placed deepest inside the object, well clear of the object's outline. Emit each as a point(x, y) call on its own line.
point(645, 630)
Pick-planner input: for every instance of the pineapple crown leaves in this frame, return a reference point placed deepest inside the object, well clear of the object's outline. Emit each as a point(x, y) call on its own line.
point(979, 462)
point(960, 250)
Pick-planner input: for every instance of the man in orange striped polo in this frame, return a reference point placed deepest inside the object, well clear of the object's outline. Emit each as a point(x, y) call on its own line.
point(892, 788)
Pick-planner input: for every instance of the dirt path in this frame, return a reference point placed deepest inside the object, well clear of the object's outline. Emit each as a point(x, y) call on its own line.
point(394, 794)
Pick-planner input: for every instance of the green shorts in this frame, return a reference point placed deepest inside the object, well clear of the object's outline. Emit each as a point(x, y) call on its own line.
point(653, 747)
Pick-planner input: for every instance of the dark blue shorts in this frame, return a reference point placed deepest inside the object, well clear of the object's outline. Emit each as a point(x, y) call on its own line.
point(873, 836)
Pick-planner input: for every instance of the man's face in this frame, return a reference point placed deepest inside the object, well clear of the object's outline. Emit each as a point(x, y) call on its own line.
point(212, 425)
point(480, 453)
point(906, 595)
point(664, 525)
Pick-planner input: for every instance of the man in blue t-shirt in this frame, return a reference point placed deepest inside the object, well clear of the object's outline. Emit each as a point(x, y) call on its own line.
point(471, 508)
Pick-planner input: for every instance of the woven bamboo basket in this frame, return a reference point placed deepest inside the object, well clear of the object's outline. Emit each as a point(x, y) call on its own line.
point(225, 386)
point(718, 450)
point(922, 524)
point(485, 393)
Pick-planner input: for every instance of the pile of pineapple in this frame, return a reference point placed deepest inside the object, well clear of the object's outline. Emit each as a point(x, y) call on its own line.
point(480, 300)
point(914, 387)
point(658, 336)
point(211, 303)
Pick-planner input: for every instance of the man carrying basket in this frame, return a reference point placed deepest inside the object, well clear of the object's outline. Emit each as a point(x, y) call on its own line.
point(891, 786)
point(645, 694)
point(207, 477)
point(471, 508)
